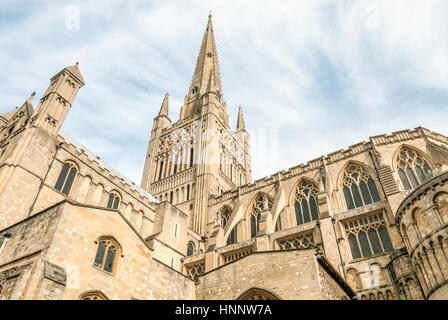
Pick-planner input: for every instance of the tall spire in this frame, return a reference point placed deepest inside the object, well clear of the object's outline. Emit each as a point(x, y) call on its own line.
point(240, 124)
point(206, 63)
point(164, 107)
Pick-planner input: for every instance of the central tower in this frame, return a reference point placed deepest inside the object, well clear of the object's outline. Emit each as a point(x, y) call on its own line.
point(199, 155)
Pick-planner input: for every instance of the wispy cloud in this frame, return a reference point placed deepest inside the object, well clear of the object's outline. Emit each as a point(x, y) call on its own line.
point(325, 74)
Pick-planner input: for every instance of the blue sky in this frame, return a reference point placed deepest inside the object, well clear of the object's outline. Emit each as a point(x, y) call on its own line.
point(322, 75)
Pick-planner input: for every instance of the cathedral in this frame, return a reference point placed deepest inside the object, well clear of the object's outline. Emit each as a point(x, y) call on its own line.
point(369, 222)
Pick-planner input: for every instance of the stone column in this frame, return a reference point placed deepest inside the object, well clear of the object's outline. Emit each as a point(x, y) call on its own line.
point(415, 290)
point(425, 274)
point(444, 246)
point(407, 291)
point(429, 272)
point(421, 276)
point(434, 265)
point(441, 259)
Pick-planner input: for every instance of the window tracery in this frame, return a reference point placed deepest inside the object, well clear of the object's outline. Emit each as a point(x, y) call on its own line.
point(262, 203)
point(305, 205)
point(93, 295)
point(257, 294)
point(224, 216)
point(368, 236)
point(106, 254)
point(195, 270)
point(300, 241)
point(413, 169)
point(359, 187)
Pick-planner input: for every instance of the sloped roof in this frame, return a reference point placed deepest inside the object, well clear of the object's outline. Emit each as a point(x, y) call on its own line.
point(8, 115)
point(102, 164)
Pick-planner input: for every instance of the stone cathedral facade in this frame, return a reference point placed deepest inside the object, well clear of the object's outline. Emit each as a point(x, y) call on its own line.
point(367, 222)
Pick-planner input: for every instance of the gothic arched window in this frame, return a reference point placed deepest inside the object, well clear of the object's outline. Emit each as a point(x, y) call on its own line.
point(413, 169)
point(258, 294)
point(359, 187)
point(232, 238)
point(190, 249)
point(262, 203)
point(305, 205)
point(368, 236)
point(114, 200)
point(66, 177)
point(224, 216)
point(93, 295)
point(106, 254)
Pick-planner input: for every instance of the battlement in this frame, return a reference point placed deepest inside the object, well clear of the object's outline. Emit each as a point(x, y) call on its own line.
point(339, 155)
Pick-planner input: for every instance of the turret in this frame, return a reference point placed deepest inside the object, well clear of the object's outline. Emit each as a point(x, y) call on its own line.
point(161, 122)
point(57, 100)
point(243, 137)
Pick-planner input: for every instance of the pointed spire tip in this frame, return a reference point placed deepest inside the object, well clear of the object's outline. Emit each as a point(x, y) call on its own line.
point(30, 99)
point(164, 108)
point(240, 123)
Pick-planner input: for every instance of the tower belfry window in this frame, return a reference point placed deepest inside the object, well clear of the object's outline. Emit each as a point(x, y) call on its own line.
point(209, 55)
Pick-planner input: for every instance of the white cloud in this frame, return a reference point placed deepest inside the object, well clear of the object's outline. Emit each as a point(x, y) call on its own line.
point(324, 74)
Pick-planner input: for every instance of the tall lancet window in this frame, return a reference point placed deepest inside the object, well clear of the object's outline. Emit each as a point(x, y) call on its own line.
point(359, 187)
point(262, 203)
point(305, 204)
point(412, 168)
point(66, 178)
